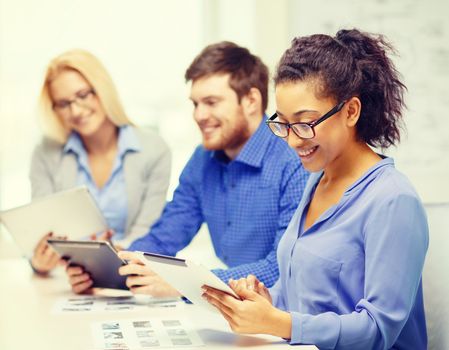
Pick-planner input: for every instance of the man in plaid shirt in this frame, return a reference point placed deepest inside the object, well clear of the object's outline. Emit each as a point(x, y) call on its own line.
point(243, 182)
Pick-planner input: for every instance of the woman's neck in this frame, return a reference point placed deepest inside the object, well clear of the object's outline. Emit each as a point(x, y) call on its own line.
point(103, 141)
point(351, 164)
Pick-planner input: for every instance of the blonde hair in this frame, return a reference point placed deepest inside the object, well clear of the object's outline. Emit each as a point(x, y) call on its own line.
point(95, 73)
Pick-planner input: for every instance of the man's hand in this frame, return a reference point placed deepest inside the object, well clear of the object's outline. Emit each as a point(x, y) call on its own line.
point(142, 280)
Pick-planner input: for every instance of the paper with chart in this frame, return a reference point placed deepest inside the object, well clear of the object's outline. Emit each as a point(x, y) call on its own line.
point(145, 333)
point(95, 304)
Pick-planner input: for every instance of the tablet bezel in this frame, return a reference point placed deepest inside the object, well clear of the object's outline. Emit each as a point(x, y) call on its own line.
point(98, 258)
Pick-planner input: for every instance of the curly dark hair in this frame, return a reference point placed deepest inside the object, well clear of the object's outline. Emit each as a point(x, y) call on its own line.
point(353, 63)
point(246, 70)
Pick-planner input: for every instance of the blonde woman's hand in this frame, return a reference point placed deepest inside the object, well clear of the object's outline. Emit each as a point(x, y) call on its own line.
point(44, 257)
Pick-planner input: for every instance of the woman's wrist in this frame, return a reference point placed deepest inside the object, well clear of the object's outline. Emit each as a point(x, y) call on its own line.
point(281, 324)
point(37, 270)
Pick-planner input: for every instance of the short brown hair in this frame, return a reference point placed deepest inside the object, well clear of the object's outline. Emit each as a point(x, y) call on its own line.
point(246, 70)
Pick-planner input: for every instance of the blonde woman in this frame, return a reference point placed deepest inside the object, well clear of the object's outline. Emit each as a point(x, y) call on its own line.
point(90, 141)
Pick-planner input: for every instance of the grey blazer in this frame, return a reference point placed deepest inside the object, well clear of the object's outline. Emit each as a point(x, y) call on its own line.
point(147, 175)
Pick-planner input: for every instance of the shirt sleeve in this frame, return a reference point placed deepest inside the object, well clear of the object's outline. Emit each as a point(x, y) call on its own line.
point(266, 270)
point(155, 195)
point(396, 241)
point(180, 219)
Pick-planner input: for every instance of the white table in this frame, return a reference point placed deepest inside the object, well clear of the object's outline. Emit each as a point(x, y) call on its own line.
point(26, 320)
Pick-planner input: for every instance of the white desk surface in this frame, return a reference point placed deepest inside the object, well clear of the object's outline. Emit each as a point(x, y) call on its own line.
point(26, 320)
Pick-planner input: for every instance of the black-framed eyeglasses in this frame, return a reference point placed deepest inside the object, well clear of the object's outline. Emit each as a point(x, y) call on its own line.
point(82, 98)
point(301, 129)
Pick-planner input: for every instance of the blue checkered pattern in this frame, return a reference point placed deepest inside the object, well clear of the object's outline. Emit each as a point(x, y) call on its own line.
point(246, 203)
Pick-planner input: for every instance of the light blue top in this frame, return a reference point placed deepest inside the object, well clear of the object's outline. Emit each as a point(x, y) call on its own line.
point(353, 279)
point(112, 197)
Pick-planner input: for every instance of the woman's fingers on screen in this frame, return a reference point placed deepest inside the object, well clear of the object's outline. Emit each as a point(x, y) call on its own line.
point(240, 284)
point(252, 282)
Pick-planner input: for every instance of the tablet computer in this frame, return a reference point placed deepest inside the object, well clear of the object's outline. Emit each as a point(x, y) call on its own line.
point(98, 258)
point(72, 213)
point(186, 276)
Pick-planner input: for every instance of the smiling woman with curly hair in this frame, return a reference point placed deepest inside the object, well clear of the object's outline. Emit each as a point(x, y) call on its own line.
point(351, 259)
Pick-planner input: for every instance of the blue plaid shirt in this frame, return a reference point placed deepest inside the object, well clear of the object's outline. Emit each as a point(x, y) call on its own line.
point(247, 204)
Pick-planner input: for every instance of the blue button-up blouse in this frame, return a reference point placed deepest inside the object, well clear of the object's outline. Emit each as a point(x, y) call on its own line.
point(353, 279)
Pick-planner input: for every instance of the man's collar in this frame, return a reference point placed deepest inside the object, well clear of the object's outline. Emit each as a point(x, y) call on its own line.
point(254, 150)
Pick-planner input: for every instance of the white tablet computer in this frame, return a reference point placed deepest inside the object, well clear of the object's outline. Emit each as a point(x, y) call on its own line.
point(185, 276)
point(71, 213)
point(98, 258)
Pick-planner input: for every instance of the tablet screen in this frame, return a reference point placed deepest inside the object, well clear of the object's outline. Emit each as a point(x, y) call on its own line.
point(99, 259)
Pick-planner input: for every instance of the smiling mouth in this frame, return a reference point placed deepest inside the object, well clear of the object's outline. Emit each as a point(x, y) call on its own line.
point(208, 129)
point(307, 152)
point(81, 120)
